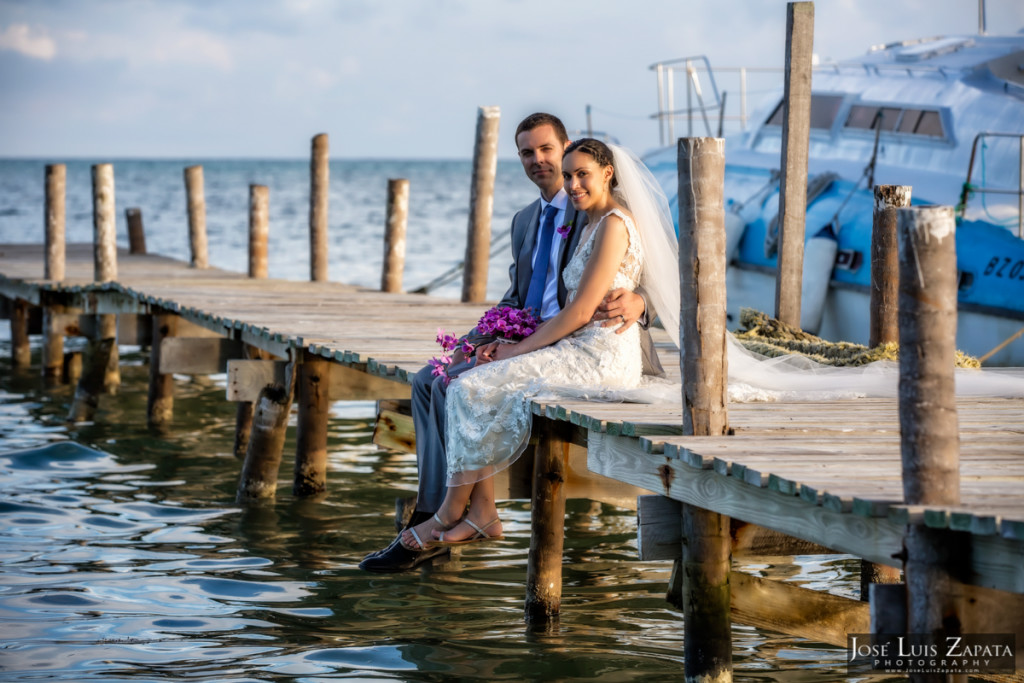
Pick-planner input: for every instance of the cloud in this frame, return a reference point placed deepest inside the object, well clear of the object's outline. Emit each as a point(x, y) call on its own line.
point(34, 43)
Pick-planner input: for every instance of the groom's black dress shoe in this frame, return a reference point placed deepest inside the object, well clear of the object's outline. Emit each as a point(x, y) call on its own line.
point(396, 557)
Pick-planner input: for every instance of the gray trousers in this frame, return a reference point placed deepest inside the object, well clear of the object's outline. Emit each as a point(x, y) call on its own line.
point(428, 398)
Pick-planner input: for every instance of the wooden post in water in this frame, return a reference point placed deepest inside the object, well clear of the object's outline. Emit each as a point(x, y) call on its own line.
point(259, 229)
point(269, 426)
point(481, 205)
point(394, 235)
point(314, 402)
point(795, 144)
point(160, 402)
point(90, 384)
point(885, 271)
point(54, 219)
point(319, 189)
point(707, 546)
point(105, 265)
point(136, 233)
point(244, 411)
point(72, 371)
point(21, 351)
point(936, 560)
point(196, 217)
point(547, 515)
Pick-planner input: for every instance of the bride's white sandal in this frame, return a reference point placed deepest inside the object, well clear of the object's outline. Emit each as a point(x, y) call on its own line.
point(419, 542)
point(480, 534)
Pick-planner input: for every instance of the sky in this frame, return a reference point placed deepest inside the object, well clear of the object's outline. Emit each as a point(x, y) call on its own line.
point(387, 78)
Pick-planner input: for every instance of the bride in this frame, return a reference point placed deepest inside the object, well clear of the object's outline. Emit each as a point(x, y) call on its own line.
point(629, 240)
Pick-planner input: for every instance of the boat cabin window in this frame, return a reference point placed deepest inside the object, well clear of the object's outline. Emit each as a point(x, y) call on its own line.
point(823, 111)
point(909, 121)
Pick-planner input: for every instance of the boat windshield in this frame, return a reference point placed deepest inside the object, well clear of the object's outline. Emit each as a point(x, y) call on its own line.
point(824, 109)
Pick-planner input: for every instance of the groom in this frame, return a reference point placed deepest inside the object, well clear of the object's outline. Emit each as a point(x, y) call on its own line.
point(540, 252)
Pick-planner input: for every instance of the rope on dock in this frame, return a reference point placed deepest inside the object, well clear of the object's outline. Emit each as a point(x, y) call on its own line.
point(773, 338)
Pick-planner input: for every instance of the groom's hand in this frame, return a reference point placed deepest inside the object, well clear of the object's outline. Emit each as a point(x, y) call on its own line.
point(621, 306)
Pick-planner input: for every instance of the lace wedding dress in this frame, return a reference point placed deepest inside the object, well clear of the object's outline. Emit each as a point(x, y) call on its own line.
point(488, 414)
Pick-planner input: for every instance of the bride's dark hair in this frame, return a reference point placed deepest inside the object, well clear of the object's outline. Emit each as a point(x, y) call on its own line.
point(601, 153)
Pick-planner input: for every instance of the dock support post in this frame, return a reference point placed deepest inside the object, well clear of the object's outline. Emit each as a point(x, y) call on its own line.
point(795, 145)
point(136, 233)
point(90, 384)
point(885, 271)
point(319, 178)
point(196, 200)
point(259, 229)
point(547, 516)
point(105, 265)
point(394, 235)
point(929, 429)
point(72, 371)
point(244, 411)
point(314, 401)
point(160, 403)
point(707, 546)
point(269, 426)
point(21, 351)
point(481, 203)
point(53, 269)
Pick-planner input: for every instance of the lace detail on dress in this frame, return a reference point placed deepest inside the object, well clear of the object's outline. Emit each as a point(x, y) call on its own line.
point(487, 409)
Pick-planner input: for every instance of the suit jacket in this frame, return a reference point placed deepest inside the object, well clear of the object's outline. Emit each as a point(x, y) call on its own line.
point(525, 226)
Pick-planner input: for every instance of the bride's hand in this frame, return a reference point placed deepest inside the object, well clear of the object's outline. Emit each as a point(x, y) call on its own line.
point(485, 353)
point(505, 351)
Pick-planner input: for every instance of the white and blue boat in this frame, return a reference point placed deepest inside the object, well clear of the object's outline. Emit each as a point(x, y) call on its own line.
point(943, 115)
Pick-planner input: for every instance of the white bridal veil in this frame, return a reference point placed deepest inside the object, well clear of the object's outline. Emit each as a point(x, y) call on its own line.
point(752, 377)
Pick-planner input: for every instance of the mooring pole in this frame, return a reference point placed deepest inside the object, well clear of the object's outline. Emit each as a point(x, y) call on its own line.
point(319, 173)
point(160, 403)
point(795, 145)
point(269, 426)
point(481, 204)
point(259, 229)
point(885, 271)
point(196, 200)
point(707, 546)
point(937, 560)
point(21, 351)
point(314, 402)
point(136, 232)
point(547, 516)
point(53, 270)
point(394, 235)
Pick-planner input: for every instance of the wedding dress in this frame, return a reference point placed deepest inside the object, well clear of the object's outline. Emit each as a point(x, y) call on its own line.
point(488, 415)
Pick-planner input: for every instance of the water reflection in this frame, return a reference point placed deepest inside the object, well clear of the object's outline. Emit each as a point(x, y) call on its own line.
point(124, 558)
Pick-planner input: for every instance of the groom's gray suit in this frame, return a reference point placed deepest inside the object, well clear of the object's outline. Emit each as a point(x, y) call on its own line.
point(429, 392)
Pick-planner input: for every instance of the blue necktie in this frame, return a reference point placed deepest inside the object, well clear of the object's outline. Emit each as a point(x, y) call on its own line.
point(535, 294)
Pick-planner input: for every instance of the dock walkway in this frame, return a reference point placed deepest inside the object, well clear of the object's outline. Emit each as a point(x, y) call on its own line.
point(826, 472)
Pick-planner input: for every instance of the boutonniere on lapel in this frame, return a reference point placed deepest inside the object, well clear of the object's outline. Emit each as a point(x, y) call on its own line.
point(564, 230)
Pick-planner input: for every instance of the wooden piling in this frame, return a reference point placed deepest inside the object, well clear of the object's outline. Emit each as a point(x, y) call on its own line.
point(21, 351)
point(196, 217)
point(885, 272)
point(56, 183)
point(929, 430)
point(263, 456)
point(702, 265)
point(481, 204)
point(90, 384)
point(136, 233)
point(936, 560)
point(314, 401)
point(319, 178)
point(53, 345)
point(394, 235)
point(160, 401)
point(245, 409)
point(259, 229)
point(795, 145)
point(547, 515)
point(104, 269)
point(707, 546)
point(72, 371)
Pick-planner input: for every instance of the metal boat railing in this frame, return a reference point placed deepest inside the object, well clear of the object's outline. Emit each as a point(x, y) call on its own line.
point(969, 189)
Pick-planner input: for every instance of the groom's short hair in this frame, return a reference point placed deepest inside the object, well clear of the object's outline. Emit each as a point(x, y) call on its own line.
point(541, 119)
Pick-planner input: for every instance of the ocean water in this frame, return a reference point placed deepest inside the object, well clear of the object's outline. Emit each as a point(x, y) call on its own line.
point(124, 558)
